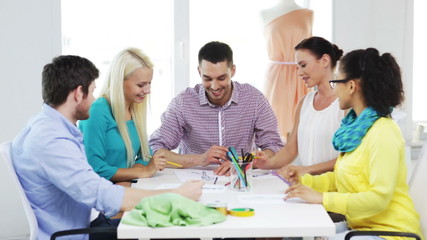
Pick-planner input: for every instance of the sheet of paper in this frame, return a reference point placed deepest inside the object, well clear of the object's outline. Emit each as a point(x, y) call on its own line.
point(261, 174)
point(207, 188)
point(213, 188)
point(195, 174)
point(267, 199)
point(262, 198)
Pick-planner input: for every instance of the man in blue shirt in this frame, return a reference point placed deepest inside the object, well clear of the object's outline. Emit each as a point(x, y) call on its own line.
point(50, 161)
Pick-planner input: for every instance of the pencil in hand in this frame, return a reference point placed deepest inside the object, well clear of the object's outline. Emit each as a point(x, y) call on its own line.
point(168, 162)
point(173, 163)
point(280, 177)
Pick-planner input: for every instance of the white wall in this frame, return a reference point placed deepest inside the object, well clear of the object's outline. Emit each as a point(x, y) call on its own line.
point(30, 37)
point(384, 24)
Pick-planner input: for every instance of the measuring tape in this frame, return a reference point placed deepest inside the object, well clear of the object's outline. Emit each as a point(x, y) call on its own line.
point(237, 212)
point(241, 212)
point(219, 206)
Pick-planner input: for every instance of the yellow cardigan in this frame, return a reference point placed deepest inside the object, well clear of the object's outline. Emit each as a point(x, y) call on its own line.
point(368, 185)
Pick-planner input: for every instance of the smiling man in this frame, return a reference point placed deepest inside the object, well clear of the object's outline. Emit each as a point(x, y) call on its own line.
point(218, 113)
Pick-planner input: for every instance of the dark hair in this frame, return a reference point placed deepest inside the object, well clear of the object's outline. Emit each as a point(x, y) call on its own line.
point(65, 74)
point(380, 77)
point(215, 52)
point(319, 46)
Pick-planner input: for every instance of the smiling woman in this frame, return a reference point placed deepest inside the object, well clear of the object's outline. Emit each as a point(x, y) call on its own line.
point(115, 133)
point(317, 115)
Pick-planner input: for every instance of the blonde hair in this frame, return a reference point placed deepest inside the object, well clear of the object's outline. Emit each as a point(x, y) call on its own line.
point(123, 65)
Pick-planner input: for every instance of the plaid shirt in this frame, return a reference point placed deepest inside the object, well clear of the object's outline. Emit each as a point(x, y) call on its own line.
point(194, 124)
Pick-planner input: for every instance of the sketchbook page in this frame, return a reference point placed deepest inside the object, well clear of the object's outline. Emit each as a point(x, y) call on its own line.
point(267, 199)
point(262, 198)
point(207, 188)
point(196, 174)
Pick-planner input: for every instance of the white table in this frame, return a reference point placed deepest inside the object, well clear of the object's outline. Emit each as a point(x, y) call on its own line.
point(272, 218)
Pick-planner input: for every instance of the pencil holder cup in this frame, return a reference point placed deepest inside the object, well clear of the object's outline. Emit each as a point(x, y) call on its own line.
point(241, 176)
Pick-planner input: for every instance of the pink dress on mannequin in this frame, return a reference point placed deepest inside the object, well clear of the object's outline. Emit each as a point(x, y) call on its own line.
point(283, 89)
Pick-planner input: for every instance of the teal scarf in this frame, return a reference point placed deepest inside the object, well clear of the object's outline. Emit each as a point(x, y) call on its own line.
point(353, 128)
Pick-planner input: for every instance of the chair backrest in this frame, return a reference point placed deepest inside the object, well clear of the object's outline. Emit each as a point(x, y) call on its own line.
point(417, 187)
point(17, 219)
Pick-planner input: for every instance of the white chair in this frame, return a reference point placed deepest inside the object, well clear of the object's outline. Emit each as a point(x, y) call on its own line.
point(417, 190)
point(17, 219)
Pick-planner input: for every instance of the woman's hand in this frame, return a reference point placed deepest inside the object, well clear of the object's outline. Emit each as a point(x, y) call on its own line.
point(261, 160)
point(290, 173)
point(300, 170)
point(306, 193)
point(157, 163)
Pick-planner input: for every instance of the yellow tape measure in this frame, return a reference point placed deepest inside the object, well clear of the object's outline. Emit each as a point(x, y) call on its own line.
point(219, 206)
point(242, 212)
point(237, 212)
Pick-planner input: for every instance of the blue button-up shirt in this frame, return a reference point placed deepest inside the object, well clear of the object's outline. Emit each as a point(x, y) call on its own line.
point(50, 161)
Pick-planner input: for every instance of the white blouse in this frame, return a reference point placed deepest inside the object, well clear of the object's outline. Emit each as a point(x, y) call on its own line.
point(315, 131)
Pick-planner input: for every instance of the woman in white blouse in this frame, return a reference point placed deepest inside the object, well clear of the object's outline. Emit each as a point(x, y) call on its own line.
point(317, 116)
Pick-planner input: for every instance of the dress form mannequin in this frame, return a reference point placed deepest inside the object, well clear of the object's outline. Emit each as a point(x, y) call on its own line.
point(285, 25)
point(282, 7)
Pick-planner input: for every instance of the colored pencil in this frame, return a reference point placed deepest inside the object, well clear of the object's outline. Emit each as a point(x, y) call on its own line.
point(169, 162)
point(281, 178)
point(173, 163)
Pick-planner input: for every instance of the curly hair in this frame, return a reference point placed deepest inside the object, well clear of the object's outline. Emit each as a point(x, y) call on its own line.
point(380, 77)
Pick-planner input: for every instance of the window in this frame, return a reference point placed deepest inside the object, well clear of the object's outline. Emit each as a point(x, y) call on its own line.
point(419, 112)
point(99, 29)
point(419, 82)
point(238, 24)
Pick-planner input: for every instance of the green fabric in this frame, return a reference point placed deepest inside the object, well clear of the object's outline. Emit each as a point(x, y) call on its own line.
point(170, 209)
point(353, 128)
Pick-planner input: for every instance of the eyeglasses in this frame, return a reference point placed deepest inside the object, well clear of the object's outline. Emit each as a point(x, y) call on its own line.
point(334, 82)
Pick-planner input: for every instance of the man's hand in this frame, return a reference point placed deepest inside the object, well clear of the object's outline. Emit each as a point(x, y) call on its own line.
point(223, 169)
point(215, 154)
point(191, 189)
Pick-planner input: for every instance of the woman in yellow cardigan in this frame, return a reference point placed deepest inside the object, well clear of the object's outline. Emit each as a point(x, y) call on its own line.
point(368, 184)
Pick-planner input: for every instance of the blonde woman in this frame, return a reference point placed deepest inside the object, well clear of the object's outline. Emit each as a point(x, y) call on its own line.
point(115, 134)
